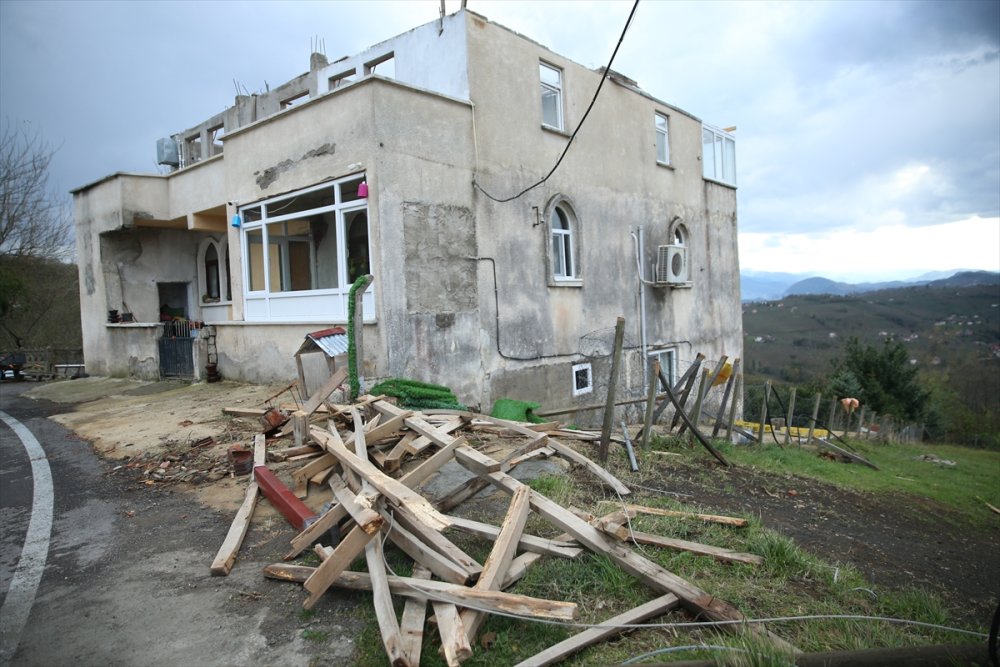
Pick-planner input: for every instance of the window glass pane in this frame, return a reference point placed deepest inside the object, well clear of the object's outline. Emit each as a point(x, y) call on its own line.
point(729, 162)
point(229, 280)
point(661, 147)
point(289, 250)
point(300, 203)
point(549, 75)
point(568, 254)
point(708, 153)
point(251, 215)
point(255, 254)
point(550, 107)
point(661, 122)
point(558, 266)
point(559, 219)
point(356, 226)
point(211, 272)
point(349, 189)
point(323, 231)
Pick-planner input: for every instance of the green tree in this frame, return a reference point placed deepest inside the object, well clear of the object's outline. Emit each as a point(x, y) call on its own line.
point(889, 382)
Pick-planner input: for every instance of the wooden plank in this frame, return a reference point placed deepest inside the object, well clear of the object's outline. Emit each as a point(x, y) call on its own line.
point(440, 436)
point(605, 630)
point(324, 391)
point(259, 450)
point(623, 532)
point(244, 412)
point(226, 556)
point(649, 573)
point(491, 601)
point(307, 537)
point(396, 492)
point(609, 408)
point(730, 383)
point(711, 518)
point(364, 516)
point(402, 517)
point(471, 487)
point(413, 547)
point(411, 624)
point(454, 638)
point(416, 477)
point(331, 568)
point(539, 545)
point(308, 470)
point(503, 552)
point(825, 444)
point(647, 421)
point(567, 453)
point(385, 614)
point(300, 427)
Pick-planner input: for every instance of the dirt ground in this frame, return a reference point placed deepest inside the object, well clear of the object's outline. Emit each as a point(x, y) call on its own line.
point(895, 543)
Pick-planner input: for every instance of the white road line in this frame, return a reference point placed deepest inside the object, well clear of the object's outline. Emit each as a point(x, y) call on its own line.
point(27, 575)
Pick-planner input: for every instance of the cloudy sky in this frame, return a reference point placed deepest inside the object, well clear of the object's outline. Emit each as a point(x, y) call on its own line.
point(868, 132)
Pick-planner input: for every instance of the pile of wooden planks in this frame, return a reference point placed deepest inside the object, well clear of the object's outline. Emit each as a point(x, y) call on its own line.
point(374, 456)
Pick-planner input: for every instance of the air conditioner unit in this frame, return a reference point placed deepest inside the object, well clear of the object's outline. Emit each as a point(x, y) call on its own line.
point(672, 265)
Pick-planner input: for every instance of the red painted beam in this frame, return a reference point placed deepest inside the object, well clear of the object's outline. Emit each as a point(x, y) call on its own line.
point(293, 509)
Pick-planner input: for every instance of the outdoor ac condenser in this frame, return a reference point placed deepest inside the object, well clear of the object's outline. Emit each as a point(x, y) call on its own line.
point(671, 265)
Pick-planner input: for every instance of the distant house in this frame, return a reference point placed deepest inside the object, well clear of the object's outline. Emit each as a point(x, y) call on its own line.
point(381, 163)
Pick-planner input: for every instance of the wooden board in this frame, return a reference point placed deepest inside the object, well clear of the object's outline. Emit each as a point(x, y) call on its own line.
point(490, 601)
point(605, 630)
point(538, 545)
point(226, 556)
point(622, 532)
point(503, 552)
point(385, 614)
point(321, 394)
point(364, 516)
point(331, 568)
point(649, 573)
point(411, 624)
point(711, 518)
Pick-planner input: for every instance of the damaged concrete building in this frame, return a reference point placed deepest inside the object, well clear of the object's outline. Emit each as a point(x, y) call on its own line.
point(381, 163)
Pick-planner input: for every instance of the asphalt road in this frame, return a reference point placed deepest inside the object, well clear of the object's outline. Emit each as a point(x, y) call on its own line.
point(125, 579)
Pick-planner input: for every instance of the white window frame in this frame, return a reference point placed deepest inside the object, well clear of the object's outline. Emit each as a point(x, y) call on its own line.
point(323, 304)
point(718, 149)
point(554, 89)
point(668, 355)
point(662, 133)
point(221, 248)
point(564, 267)
point(580, 391)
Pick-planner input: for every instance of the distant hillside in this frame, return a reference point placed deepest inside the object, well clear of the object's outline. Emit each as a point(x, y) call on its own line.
point(766, 285)
point(826, 286)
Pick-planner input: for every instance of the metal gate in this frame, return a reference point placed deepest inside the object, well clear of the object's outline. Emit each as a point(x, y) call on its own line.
point(176, 353)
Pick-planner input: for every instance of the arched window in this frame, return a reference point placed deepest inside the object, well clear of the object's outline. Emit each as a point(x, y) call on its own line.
point(679, 234)
point(563, 257)
point(212, 273)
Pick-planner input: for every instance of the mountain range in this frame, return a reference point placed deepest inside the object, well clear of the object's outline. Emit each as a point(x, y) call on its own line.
point(767, 286)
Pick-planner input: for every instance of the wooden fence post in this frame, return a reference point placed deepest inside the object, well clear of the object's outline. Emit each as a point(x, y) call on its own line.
point(702, 390)
point(737, 389)
point(763, 412)
point(815, 414)
point(609, 407)
point(833, 415)
point(790, 417)
point(725, 397)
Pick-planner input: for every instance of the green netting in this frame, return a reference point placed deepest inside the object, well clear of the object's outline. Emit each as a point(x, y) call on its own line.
point(514, 410)
point(418, 395)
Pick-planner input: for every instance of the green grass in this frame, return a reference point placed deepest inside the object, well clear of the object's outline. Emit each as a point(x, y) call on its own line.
point(791, 582)
point(963, 488)
point(317, 636)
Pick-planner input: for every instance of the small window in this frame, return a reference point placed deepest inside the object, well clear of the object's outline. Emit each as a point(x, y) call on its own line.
point(679, 235)
point(662, 138)
point(211, 274)
point(552, 104)
point(668, 363)
point(718, 150)
point(583, 379)
point(563, 260)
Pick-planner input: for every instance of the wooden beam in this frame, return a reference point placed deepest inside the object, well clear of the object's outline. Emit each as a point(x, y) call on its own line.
point(411, 624)
point(491, 601)
point(324, 391)
point(331, 568)
point(609, 407)
point(649, 573)
point(503, 552)
point(619, 530)
point(531, 543)
point(711, 518)
point(396, 492)
point(385, 614)
point(605, 630)
point(364, 516)
point(454, 639)
point(226, 556)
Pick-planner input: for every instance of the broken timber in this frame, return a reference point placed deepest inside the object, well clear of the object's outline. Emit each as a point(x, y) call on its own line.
point(226, 556)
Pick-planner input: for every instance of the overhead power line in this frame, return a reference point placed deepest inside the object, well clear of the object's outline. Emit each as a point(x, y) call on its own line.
point(607, 73)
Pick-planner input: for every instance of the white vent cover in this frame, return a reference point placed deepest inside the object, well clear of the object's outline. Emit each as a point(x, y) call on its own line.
point(671, 265)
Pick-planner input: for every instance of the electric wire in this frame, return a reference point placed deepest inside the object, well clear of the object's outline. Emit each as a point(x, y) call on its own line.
point(677, 649)
point(604, 76)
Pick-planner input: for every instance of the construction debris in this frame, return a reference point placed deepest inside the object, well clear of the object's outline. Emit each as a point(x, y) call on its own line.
point(375, 456)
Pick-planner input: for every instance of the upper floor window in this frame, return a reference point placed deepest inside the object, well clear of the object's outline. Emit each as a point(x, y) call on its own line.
point(563, 261)
point(552, 104)
point(718, 149)
point(661, 127)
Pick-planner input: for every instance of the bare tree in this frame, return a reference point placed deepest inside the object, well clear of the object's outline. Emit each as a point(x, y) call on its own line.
point(34, 220)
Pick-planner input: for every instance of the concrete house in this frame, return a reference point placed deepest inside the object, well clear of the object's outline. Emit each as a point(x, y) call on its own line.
point(396, 162)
